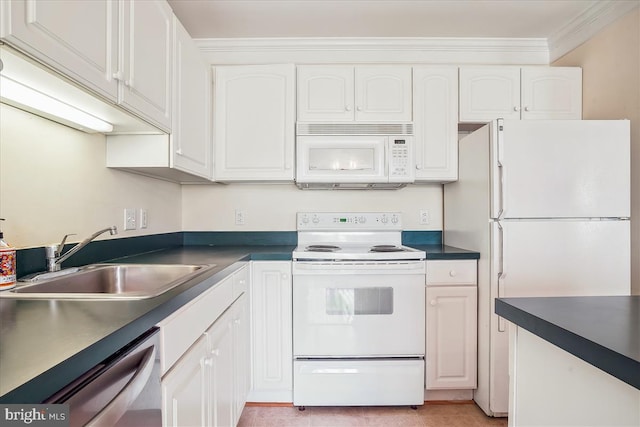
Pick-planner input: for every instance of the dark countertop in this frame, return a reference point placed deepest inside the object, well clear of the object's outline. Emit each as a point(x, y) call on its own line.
point(442, 252)
point(601, 330)
point(44, 344)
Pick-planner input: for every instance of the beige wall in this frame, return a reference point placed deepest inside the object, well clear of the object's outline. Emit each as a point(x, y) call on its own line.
point(273, 206)
point(611, 90)
point(53, 181)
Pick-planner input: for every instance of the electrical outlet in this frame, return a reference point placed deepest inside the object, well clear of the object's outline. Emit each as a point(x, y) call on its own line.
point(143, 218)
point(424, 217)
point(130, 219)
point(240, 217)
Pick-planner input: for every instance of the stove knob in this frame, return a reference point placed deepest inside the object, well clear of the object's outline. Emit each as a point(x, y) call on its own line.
point(384, 220)
point(363, 219)
point(315, 220)
point(394, 219)
point(305, 219)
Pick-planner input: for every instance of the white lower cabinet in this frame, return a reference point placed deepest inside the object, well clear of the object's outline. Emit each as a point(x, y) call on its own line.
point(271, 332)
point(451, 325)
point(183, 389)
point(205, 379)
point(219, 367)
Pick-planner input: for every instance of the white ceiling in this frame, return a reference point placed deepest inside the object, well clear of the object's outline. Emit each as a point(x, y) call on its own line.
point(381, 18)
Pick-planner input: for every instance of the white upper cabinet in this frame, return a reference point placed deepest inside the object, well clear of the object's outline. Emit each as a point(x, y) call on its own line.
point(435, 117)
point(347, 93)
point(120, 50)
point(325, 93)
point(491, 92)
point(191, 143)
point(87, 53)
point(551, 93)
point(488, 93)
point(254, 119)
point(145, 70)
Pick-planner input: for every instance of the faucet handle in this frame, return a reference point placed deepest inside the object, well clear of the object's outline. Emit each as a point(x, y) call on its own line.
point(58, 251)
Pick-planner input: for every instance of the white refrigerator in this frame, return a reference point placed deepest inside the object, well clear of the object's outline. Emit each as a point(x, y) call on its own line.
point(547, 205)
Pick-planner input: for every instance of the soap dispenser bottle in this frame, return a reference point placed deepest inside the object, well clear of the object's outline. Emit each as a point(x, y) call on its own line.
point(7, 264)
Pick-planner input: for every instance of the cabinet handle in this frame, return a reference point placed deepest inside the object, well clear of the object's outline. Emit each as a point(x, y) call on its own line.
point(208, 361)
point(433, 303)
point(285, 277)
point(179, 151)
point(359, 108)
point(215, 352)
point(526, 108)
point(347, 108)
point(452, 273)
point(118, 76)
point(418, 166)
point(516, 108)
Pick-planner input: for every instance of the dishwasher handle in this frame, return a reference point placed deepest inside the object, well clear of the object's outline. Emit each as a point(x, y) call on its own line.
point(114, 410)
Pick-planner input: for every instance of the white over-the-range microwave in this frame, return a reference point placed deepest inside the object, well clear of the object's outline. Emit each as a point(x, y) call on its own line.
point(354, 155)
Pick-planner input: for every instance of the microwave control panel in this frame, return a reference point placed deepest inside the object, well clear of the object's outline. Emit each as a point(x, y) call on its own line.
point(401, 159)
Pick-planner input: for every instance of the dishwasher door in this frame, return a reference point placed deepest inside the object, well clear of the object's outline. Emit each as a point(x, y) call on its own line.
point(123, 390)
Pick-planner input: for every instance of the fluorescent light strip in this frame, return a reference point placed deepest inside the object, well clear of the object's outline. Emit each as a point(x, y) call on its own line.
point(38, 102)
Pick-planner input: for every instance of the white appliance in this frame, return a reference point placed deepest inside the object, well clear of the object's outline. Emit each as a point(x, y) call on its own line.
point(547, 205)
point(354, 156)
point(358, 312)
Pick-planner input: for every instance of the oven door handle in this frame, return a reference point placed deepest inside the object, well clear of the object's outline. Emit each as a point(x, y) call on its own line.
point(114, 410)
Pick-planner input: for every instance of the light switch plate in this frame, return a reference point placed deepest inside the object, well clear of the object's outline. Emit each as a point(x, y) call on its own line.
point(143, 218)
point(130, 219)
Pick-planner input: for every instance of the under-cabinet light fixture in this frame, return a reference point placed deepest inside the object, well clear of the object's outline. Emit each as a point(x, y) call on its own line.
point(34, 101)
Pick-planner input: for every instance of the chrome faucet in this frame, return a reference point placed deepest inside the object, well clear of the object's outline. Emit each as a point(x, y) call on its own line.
point(54, 252)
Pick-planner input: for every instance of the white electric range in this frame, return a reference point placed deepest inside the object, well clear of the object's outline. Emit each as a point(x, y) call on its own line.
point(358, 312)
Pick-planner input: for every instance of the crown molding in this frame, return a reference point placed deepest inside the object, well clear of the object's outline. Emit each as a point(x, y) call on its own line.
point(588, 24)
point(375, 49)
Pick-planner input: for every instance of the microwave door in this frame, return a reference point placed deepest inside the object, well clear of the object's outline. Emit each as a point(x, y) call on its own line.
point(330, 159)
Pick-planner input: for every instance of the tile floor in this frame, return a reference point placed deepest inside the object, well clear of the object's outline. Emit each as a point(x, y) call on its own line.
point(465, 414)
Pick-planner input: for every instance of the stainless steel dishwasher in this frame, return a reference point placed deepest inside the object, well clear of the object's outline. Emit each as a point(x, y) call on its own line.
point(123, 390)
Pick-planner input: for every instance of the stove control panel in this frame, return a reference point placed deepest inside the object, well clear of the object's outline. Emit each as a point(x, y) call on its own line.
point(349, 221)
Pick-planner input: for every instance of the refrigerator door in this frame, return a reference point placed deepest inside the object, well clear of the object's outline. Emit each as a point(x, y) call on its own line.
point(561, 169)
point(551, 258)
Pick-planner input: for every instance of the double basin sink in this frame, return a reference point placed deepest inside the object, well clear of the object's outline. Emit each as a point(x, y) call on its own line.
point(107, 281)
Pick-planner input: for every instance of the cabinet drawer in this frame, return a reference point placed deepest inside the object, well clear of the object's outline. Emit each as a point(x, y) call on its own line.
point(451, 272)
point(180, 330)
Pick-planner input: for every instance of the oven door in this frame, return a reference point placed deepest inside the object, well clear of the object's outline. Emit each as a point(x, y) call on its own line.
point(358, 309)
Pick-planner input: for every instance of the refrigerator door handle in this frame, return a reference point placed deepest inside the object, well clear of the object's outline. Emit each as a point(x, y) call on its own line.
point(498, 178)
point(501, 274)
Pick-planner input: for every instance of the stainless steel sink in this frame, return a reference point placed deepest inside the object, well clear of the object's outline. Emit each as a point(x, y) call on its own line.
point(109, 281)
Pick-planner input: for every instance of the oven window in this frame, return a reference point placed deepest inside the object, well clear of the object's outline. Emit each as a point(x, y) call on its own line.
point(361, 301)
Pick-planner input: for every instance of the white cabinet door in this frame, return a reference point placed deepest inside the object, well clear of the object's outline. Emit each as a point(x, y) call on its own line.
point(241, 332)
point(325, 93)
point(488, 93)
point(435, 116)
point(242, 355)
point(551, 93)
point(254, 122)
point(220, 371)
point(191, 143)
point(184, 389)
point(347, 93)
point(57, 33)
point(383, 93)
point(451, 350)
point(146, 60)
point(271, 332)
